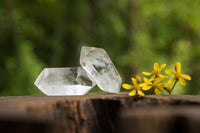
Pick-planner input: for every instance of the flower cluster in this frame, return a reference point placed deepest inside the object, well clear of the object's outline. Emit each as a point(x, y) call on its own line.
point(155, 81)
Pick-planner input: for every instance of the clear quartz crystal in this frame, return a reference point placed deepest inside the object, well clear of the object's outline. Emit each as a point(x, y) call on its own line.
point(64, 81)
point(99, 66)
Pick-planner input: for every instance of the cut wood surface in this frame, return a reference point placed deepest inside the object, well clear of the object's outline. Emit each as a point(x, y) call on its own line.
point(100, 113)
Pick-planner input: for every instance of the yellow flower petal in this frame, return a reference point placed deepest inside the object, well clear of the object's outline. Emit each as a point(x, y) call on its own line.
point(143, 84)
point(140, 92)
point(157, 80)
point(171, 80)
point(147, 81)
point(186, 76)
point(178, 67)
point(132, 93)
point(182, 81)
point(146, 73)
point(134, 81)
point(152, 78)
point(161, 85)
point(146, 88)
point(162, 76)
point(162, 67)
point(127, 86)
point(156, 66)
point(169, 72)
point(158, 92)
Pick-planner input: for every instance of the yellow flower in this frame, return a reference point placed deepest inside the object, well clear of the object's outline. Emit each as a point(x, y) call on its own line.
point(178, 75)
point(154, 84)
point(156, 71)
point(138, 78)
point(136, 88)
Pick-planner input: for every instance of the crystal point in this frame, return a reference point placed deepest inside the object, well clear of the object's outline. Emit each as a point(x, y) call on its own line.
point(64, 81)
point(99, 66)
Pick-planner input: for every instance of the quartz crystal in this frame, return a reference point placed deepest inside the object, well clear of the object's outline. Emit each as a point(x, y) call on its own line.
point(99, 66)
point(64, 81)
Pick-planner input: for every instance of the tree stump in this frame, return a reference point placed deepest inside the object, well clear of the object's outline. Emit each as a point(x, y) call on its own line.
point(100, 113)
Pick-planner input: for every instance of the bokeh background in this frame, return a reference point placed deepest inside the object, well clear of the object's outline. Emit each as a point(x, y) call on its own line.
point(35, 34)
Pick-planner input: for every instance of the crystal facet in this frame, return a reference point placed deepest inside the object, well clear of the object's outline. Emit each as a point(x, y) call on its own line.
point(64, 81)
point(99, 66)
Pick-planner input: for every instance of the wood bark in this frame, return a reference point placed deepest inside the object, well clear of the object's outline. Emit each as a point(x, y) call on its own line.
point(100, 113)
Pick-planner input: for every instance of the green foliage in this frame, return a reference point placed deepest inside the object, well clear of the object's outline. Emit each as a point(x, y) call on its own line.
point(47, 33)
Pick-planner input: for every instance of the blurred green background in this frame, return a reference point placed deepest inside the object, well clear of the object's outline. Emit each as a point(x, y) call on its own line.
point(135, 33)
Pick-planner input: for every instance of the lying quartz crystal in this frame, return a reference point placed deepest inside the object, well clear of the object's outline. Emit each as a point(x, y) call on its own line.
point(64, 81)
point(99, 66)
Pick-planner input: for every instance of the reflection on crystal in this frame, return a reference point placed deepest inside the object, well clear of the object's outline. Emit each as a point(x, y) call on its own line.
point(98, 65)
point(64, 81)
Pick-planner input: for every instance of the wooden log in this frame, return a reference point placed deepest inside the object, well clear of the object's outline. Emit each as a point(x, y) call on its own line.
point(100, 112)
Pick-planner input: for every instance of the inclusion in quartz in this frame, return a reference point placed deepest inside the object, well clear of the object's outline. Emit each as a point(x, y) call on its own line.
point(99, 66)
point(64, 81)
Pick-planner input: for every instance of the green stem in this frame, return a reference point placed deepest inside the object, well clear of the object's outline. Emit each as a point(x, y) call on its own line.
point(173, 87)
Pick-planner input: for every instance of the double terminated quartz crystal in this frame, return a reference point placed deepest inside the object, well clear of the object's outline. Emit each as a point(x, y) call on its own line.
point(97, 68)
point(98, 65)
point(64, 81)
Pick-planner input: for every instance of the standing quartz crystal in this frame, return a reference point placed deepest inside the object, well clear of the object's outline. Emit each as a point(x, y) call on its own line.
point(64, 81)
point(99, 66)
